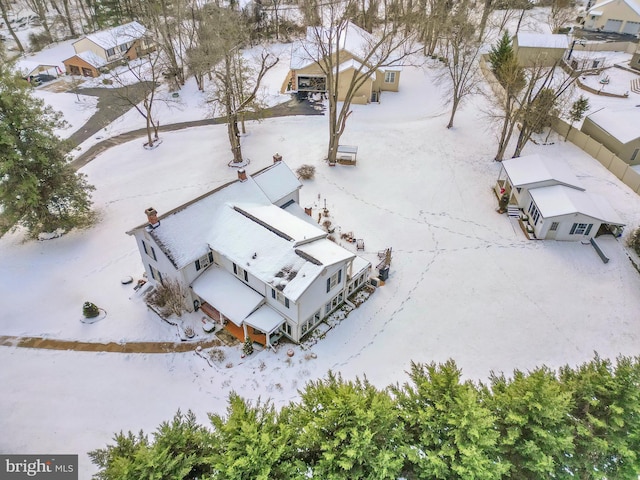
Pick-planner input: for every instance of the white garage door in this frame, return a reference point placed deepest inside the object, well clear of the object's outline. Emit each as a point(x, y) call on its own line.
point(631, 28)
point(612, 26)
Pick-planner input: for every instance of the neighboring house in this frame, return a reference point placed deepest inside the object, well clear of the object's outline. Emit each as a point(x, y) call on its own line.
point(616, 129)
point(617, 16)
point(102, 49)
point(307, 77)
point(249, 257)
point(555, 203)
point(635, 60)
point(30, 68)
point(539, 49)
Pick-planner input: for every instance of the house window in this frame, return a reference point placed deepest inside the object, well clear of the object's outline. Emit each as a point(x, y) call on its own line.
point(240, 272)
point(204, 261)
point(390, 77)
point(155, 274)
point(279, 296)
point(635, 154)
point(334, 280)
point(580, 229)
point(535, 214)
point(111, 52)
point(554, 226)
point(124, 47)
point(286, 328)
point(148, 249)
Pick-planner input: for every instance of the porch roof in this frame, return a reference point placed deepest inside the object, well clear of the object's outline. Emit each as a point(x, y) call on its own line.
point(227, 294)
point(559, 200)
point(265, 319)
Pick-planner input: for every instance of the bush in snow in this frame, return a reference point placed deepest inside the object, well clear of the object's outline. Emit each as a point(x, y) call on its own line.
point(634, 240)
point(306, 172)
point(168, 297)
point(247, 348)
point(90, 310)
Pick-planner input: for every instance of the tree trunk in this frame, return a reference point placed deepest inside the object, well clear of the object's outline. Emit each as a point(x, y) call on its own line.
point(72, 30)
point(566, 137)
point(454, 107)
point(522, 140)
point(234, 139)
point(86, 16)
point(334, 133)
point(483, 21)
point(507, 130)
point(149, 139)
point(3, 9)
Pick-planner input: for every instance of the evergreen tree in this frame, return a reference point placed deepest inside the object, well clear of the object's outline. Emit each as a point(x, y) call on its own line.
point(501, 54)
point(116, 460)
point(533, 421)
point(450, 433)
point(606, 414)
point(251, 443)
point(39, 189)
point(347, 430)
point(577, 111)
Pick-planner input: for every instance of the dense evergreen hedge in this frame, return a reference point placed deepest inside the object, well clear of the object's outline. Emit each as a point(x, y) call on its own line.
point(576, 423)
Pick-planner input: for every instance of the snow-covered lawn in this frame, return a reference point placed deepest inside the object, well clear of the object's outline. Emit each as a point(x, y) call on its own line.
point(465, 283)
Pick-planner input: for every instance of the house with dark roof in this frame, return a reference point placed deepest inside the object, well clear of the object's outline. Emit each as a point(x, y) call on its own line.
point(251, 258)
point(100, 50)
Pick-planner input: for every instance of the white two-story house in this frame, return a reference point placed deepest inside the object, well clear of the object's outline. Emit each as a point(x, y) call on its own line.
point(249, 257)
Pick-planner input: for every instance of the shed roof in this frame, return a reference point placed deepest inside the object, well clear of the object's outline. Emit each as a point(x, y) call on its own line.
point(559, 200)
point(542, 40)
point(532, 169)
point(620, 123)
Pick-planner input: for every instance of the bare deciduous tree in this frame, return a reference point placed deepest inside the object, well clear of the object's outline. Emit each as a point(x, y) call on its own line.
point(4, 10)
point(368, 56)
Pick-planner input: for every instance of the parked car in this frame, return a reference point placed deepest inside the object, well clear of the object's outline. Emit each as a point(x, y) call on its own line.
point(44, 77)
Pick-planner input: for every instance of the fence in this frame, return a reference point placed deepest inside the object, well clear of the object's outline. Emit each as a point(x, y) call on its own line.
point(606, 157)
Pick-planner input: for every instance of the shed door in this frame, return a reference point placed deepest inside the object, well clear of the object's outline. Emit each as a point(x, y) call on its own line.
point(631, 28)
point(612, 26)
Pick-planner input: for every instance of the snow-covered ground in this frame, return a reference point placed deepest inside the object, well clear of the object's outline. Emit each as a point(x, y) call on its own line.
point(465, 283)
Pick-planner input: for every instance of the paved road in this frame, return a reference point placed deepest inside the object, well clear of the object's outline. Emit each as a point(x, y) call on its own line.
point(291, 107)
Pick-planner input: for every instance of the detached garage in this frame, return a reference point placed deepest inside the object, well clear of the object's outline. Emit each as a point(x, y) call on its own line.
point(617, 16)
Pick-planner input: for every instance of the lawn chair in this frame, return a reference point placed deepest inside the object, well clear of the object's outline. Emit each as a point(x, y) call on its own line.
point(360, 244)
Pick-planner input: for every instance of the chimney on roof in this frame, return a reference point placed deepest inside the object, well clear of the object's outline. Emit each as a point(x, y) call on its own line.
point(152, 216)
point(242, 175)
point(307, 210)
point(277, 158)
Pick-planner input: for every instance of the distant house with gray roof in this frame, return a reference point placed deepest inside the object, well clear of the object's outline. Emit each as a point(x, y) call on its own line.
point(616, 16)
point(250, 258)
point(616, 129)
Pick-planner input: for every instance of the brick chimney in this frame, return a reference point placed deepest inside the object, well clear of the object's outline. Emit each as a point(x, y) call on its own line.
point(152, 216)
point(277, 158)
point(307, 210)
point(242, 175)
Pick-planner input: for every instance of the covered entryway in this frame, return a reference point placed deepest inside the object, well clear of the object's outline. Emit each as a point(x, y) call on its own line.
point(631, 28)
point(227, 300)
point(263, 325)
point(612, 26)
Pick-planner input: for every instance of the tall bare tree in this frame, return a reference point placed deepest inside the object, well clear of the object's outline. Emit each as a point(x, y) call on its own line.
point(461, 51)
point(4, 8)
point(561, 13)
point(389, 46)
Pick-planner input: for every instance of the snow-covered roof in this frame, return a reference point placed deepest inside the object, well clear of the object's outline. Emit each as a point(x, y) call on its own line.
point(542, 40)
point(268, 254)
point(277, 181)
point(353, 39)
point(558, 200)
point(28, 67)
point(597, 8)
point(281, 222)
point(231, 297)
point(92, 59)
point(326, 252)
point(621, 123)
point(532, 169)
point(265, 319)
point(182, 234)
point(113, 37)
point(353, 64)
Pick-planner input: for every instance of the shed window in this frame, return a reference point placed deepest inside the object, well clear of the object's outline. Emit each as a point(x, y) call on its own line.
point(580, 229)
point(635, 154)
point(554, 226)
point(111, 52)
point(390, 77)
